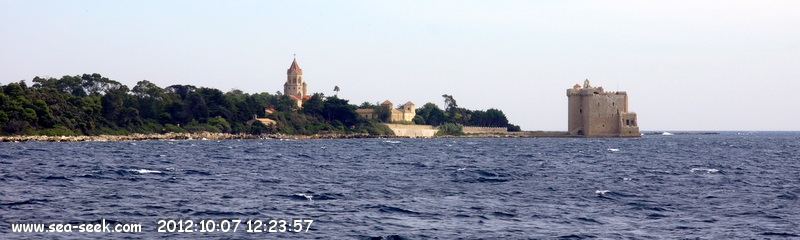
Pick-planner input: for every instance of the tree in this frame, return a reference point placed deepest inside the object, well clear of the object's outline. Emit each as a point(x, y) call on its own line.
point(496, 118)
point(182, 90)
point(488, 118)
point(221, 124)
point(92, 104)
point(418, 120)
point(366, 105)
point(431, 114)
point(113, 103)
point(337, 109)
point(449, 102)
point(314, 106)
point(197, 107)
point(384, 112)
point(151, 99)
point(218, 104)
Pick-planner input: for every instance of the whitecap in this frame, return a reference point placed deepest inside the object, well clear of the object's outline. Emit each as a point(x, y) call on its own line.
point(707, 170)
point(626, 179)
point(387, 141)
point(309, 197)
point(613, 149)
point(667, 134)
point(601, 192)
point(461, 169)
point(143, 171)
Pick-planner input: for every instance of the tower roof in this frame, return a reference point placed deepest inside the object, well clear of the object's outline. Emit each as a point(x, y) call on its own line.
point(294, 68)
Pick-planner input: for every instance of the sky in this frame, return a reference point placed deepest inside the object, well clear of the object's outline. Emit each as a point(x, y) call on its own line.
point(686, 65)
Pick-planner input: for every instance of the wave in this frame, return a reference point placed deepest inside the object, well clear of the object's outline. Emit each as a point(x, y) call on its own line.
point(144, 171)
point(779, 234)
point(390, 237)
point(578, 236)
point(197, 172)
point(57, 178)
point(302, 197)
point(25, 202)
point(390, 209)
point(707, 170)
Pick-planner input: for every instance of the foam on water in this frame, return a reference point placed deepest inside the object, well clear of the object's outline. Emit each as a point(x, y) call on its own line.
point(144, 171)
point(707, 170)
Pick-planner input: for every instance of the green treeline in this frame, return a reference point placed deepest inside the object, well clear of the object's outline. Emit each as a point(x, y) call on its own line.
point(91, 104)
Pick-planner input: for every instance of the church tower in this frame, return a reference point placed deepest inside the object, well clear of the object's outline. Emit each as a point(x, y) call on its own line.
point(295, 87)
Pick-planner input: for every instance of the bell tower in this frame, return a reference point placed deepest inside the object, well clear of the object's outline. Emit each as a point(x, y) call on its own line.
point(295, 87)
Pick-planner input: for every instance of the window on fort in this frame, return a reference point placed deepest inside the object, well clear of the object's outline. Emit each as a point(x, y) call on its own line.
point(612, 103)
point(627, 122)
point(581, 111)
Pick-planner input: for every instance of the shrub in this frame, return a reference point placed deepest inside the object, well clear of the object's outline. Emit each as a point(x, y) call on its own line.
point(57, 131)
point(453, 129)
point(172, 128)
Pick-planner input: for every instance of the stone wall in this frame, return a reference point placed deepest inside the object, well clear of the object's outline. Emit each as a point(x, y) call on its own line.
point(469, 130)
point(404, 130)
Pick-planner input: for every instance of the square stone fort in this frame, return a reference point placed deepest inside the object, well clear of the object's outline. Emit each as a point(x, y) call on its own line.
point(594, 112)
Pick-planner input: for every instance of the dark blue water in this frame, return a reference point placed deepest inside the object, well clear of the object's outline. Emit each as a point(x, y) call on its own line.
point(728, 186)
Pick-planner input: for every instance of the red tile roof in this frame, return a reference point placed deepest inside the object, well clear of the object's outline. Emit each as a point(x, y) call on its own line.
point(294, 68)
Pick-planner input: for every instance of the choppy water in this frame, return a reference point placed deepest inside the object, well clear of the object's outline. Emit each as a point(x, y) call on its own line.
point(727, 186)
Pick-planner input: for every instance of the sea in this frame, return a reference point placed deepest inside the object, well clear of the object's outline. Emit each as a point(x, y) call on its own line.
point(731, 185)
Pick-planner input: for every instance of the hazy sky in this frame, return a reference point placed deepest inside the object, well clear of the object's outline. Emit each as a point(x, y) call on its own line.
point(686, 65)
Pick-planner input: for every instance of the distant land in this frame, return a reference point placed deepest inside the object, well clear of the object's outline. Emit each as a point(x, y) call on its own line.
point(93, 105)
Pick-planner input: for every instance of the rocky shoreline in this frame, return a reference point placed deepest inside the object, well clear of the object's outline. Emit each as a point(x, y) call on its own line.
point(227, 136)
point(172, 136)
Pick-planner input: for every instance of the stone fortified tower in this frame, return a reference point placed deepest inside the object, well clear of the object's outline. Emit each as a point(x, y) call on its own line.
point(295, 87)
point(596, 113)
